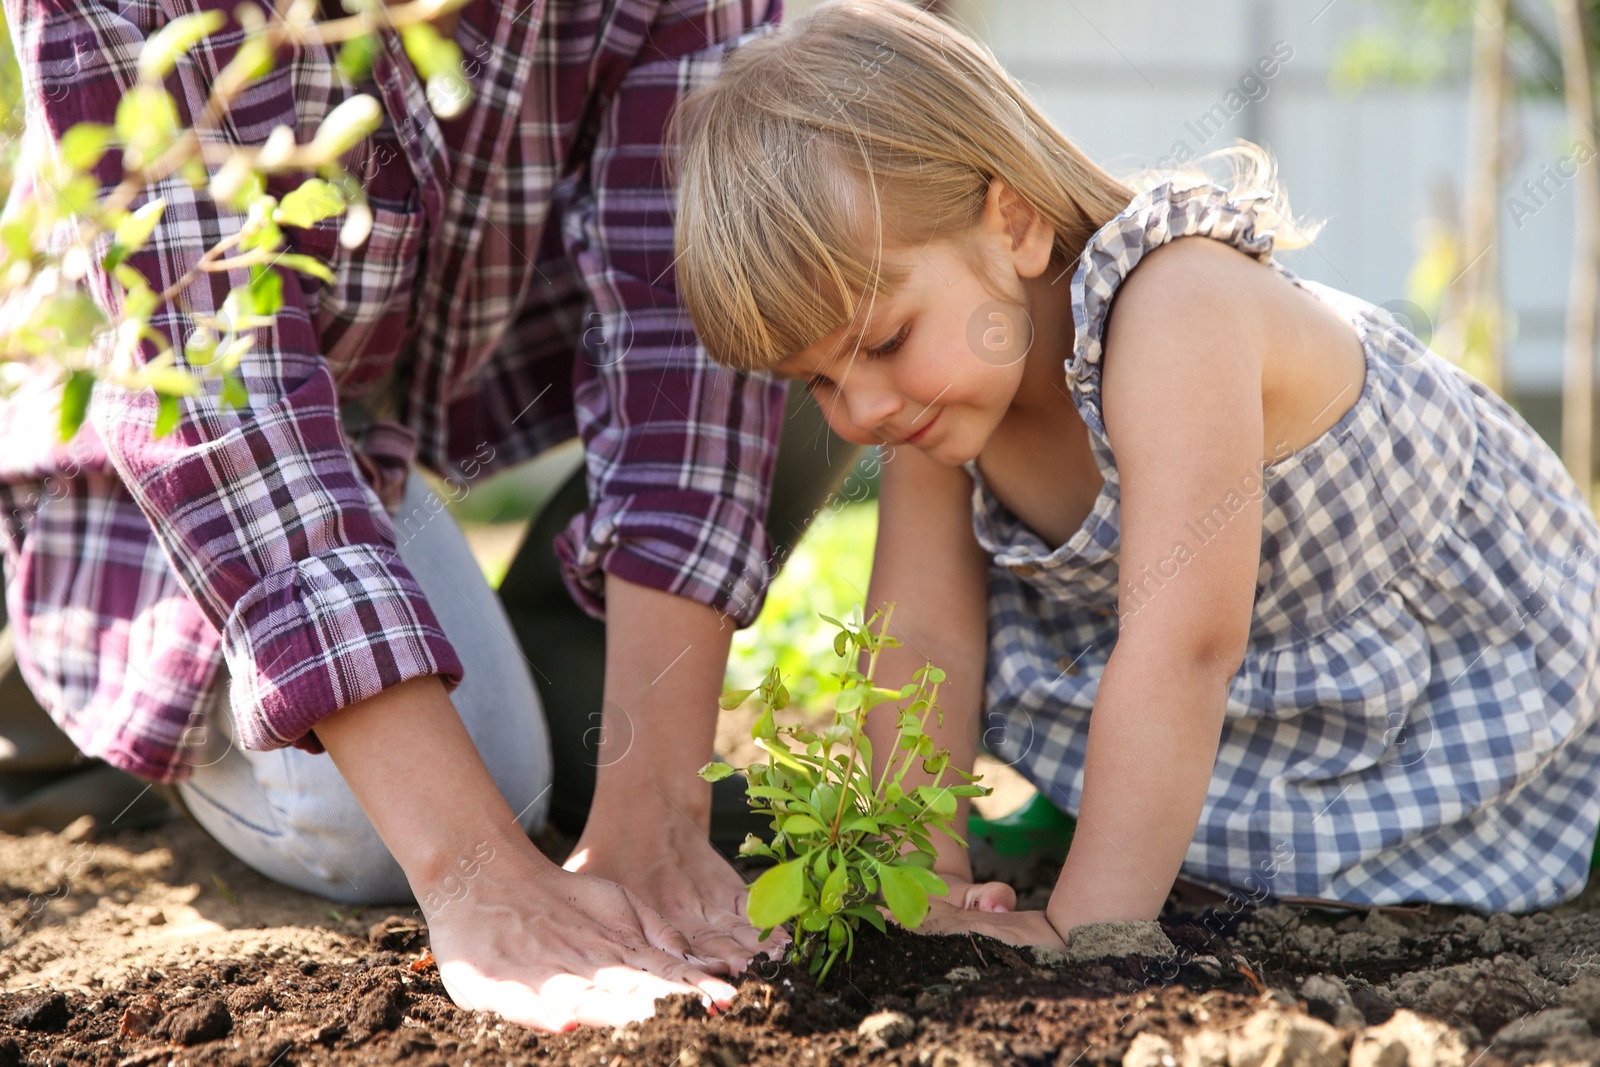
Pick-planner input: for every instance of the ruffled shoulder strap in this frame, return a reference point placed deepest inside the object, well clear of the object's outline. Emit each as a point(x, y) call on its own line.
point(1150, 220)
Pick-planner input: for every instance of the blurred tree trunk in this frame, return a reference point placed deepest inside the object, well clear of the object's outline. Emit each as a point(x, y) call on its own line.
point(1577, 388)
point(1471, 317)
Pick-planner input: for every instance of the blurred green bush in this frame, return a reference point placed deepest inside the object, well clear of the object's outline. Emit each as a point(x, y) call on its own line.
point(827, 572)
point(10, 109)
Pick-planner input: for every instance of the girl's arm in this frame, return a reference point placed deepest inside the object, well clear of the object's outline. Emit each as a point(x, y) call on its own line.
point(928, 564)
point(1182, 397)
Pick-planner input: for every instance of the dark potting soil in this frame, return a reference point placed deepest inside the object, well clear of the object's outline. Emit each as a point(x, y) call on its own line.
point(1004, 1008)
point(1516, 990)
point(965, 1001)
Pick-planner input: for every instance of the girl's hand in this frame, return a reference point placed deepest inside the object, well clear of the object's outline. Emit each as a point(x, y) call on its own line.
point(976, 896)
point(551, 949)
point(1012, 927)
point(987, 908)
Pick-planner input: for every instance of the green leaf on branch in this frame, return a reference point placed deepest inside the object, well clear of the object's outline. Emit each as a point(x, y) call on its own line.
point(79, 195)
point(733, 698)
point(84, 143)
point(931, 883)
point(715, 772)
point(266, 289)
point(234, 392)
point(794, 825)
point(346, 126)
point(161, 51)
point(312, 202)
point(237, 183)
point(75, 403)
point(778, 895)
point(167, 412)
point(171, 381)
point(133, 232)
point(905, 897)
point(146, 123)
point(820, 866)
point(448, 93)
point(306, 265)
point(201, 346)
point(763, 728)
point(253, 60)
point(238, 307)
point(833, 889)
point(871, 914)
point(17, 235)
point(193, 170)
point(74, 315)
point(430, 52)
point(229, 360)
point(769, 792)
point(356, 57)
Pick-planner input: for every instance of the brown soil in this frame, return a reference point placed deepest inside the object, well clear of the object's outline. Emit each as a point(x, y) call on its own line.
point(154, 947)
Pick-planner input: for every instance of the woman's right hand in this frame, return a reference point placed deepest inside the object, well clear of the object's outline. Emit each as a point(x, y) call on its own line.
point(551, 949)
point(511, 931)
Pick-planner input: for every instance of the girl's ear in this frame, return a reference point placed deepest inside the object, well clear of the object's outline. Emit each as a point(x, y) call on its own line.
point(1008, 216)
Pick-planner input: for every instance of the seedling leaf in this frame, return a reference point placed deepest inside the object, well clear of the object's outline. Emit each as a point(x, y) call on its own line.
point(907, 899)
point(778, 895)
point(715, 772)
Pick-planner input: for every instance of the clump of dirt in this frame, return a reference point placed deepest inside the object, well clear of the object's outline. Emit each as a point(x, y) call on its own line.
point(1485, 975)
point(155, 947)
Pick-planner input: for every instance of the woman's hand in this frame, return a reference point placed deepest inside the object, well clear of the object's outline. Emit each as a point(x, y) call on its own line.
point(674, 871)
point(511, 932)
point(552, 950)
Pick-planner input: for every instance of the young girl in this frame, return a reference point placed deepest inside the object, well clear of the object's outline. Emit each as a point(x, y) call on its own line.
point(1243, 575)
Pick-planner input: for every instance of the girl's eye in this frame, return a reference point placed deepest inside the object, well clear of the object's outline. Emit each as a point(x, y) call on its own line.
point(892, 344)
point(821, 381)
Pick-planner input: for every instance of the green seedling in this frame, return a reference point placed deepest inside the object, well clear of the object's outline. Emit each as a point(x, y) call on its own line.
point(843, 843)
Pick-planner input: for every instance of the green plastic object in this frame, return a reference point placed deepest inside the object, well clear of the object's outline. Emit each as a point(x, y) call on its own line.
point(1038, 827)
point(1041, 827)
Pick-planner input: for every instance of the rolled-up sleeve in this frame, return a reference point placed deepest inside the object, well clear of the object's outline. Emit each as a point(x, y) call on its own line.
point(680, 451)
point(261, 511)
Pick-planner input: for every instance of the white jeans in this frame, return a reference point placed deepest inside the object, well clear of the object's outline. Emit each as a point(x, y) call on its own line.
point(289, 814)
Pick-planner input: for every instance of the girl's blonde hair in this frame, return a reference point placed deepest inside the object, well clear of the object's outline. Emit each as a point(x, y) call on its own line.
point(861, 124)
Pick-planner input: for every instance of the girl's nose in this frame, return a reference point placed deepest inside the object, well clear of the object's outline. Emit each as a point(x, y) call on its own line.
point(871, 403)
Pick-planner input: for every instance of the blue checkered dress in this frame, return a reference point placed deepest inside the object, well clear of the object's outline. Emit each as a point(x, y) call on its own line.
point(1416, 715)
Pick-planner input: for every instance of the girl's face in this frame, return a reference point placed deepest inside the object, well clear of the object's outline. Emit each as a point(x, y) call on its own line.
point(938, 364)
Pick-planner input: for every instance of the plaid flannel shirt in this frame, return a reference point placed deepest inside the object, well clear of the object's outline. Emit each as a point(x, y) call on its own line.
point(516, 290)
